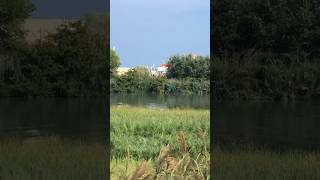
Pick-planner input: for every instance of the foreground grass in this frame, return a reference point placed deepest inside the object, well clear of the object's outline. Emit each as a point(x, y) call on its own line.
point(247, 163)
point(139, 134)
point(51, 159)
point(165, 166)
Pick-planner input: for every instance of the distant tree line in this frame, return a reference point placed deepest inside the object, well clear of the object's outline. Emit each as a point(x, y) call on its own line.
point(72, 61)
point(266, 49)
point(186, 75)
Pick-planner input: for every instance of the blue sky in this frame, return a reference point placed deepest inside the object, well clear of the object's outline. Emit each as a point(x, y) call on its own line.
point(147, 32)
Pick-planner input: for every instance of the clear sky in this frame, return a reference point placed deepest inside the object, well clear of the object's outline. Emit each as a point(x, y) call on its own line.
point(147, 32)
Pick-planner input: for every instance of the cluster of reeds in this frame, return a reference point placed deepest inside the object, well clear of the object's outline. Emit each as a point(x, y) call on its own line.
point(170, 166)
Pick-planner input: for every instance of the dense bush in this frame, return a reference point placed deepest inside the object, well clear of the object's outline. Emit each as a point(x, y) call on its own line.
point(274, 80)
point(12, 15)
point(12, 43)
point(188, 86)
point(131, 82)
point(266, 49)
point(70, 62)
point(188, 66)
point(141, 82)
point(281, 26)
point(186, 75)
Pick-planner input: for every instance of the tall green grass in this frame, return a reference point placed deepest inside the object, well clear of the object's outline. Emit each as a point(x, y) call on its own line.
point(139, 134)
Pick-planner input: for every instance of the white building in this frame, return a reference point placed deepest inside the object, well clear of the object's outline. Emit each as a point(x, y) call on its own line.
point(122, 70)
point(159, 71)
point(162, 69)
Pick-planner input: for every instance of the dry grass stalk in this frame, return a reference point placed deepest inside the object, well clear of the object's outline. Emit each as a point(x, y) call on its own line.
point(182, 142)
point(169, 167)
point(201, 134)
point(164, 152)
point(182, 166)
point(142, 172)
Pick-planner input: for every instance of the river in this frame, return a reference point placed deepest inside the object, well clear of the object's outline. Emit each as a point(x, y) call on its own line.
point(75, 118)
point(277, 124)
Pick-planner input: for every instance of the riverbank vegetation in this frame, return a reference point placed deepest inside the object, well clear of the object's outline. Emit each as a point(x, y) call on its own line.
point(259, 77)
point(186, 75)
point(51, 158)
point(266, 50)
point(138, 134)
point(72, 61)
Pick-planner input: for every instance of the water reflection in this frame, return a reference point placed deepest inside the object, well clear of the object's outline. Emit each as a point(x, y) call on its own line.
point(276, 124)
point(65, 117)
point(153, 101)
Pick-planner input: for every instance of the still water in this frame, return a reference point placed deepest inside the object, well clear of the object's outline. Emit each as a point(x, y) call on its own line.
point(66, 117)
point(152, 101)
point(76, 118)
point(290, 124)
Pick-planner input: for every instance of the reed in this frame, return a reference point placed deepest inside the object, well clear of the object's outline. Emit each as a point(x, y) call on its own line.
point(170, 166)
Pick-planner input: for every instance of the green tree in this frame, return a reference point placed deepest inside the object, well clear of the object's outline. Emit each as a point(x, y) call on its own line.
point(188, 66)
point(70, 62)
point(266, 49)
point(114, 61)
point(131, 82)
point(12, 15)
point(12, 43)
point(280, 27)
point(142, 71)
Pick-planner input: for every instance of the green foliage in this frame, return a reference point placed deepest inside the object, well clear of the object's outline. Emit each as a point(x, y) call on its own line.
point(268, 78)
point(114, 61)
point(187, 86)
point(267, 50)
point(70, 62)
point(131, 82)
point(12, 44)
point(283, 26)
point(12, 15)
point(186, 75)
point(142, 82)
point(188, 66)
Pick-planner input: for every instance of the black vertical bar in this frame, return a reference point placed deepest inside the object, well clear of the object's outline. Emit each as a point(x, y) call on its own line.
point(108, 139)
point(213, 45)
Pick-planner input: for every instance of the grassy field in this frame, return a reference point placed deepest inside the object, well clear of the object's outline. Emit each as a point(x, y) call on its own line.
point(51, 159)
point(175, 141)
point(251, 163)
